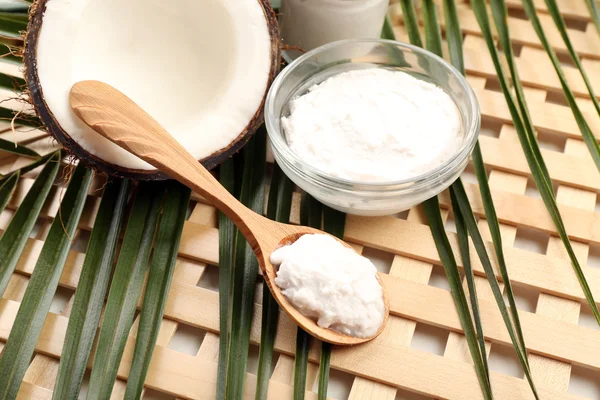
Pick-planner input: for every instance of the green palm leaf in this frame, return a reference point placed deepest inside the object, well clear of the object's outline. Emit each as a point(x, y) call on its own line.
point(466, 217)
point(474, 336)
point(463, 243)
point(268, 330)
point(11, 82)
point(278, 208)
point(387, 32)
point(14, 7)
point(15, 237)
point(433, 34)
point(159, 282)
point(7, 188)
point(125, 289)
point(311, 214)
point(246, 266)
point(30, 167)
point(594, 12)
point(227, 239)
point(18, 149)
point(454, 35)
point(411, 22)
point(301, 363)
point(7, 52)
point(586, 132)
point(334, 222)
point(42, 286)
point(513, 326)
point(525, 132)
point(432, 212)
point(562, 29)
point(324, 367)
point(500, 16)
point(91, 290)
point(7, 114)
point(15, 16)
point(11, 25)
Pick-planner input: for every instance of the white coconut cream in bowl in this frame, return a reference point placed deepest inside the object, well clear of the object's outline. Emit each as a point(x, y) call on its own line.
point(371, 126)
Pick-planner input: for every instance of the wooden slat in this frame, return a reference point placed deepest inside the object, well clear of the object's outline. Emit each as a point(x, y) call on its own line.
point(575, 9)
point(575, 171)
point(535, 68)
point(174, 372)
point(399, 331)
point(586, 43)
point(553, 373)
point(408, 239)
point(415, 301)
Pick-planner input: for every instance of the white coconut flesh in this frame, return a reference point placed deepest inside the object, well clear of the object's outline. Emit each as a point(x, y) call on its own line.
point(200, 68)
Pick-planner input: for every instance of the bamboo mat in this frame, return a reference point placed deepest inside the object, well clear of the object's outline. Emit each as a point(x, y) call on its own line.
point(563, 345)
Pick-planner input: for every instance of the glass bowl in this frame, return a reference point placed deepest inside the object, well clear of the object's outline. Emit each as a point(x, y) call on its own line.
point(365, 198)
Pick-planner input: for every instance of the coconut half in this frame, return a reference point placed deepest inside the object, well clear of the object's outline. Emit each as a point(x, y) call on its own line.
point(200, 68)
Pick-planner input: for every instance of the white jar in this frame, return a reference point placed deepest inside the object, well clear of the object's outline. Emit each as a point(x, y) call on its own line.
point(308, 24)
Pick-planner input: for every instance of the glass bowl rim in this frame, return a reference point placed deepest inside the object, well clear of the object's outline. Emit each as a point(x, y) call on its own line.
point(280, 146)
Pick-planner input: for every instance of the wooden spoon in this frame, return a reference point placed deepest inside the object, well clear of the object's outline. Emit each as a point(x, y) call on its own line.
point(120, 120)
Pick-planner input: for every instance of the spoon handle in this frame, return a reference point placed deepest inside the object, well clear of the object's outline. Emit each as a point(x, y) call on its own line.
point(119, 119)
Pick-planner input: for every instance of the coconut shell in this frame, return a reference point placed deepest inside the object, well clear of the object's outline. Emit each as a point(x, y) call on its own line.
point(53, 127)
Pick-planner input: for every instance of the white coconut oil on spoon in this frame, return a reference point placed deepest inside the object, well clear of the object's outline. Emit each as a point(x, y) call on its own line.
point(332, 284)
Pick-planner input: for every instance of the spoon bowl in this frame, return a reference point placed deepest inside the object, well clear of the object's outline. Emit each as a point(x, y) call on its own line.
point(116, 117)
point(309, 325)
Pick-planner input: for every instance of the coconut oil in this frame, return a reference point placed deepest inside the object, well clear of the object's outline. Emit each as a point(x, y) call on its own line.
point(374, 125)
point(331, 283)
point(308, 24)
